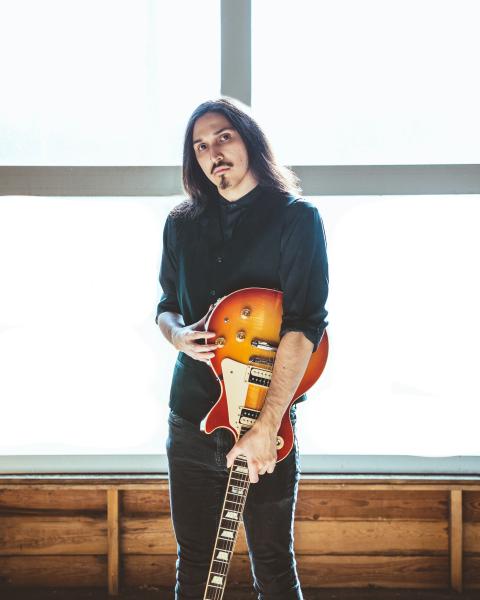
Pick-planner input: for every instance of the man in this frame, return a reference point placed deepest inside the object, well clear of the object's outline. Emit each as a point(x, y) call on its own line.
point(242, 226)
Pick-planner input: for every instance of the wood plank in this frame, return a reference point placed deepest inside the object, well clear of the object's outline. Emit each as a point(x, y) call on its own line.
point(86, 535)
point(385, 571)
point(155, 536)
point(312, 504)
point(145, 502)
point(53, 571)
point(52, 535)
point(471, 573)
point(471, 506)
point(316, 504)
point(471, 538)
point(421, 572)
point(314, 571)
point(26, 501)
point(113, 541)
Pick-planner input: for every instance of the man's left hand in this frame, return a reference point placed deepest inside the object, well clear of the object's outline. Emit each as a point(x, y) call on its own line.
point(259, 446)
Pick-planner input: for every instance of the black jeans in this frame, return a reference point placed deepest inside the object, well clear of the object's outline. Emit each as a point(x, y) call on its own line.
point(198, 478)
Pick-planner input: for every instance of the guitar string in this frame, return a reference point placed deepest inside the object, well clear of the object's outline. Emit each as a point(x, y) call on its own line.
point(218, 592)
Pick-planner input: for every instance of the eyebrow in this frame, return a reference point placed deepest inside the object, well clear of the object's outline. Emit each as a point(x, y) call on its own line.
point(214, 133)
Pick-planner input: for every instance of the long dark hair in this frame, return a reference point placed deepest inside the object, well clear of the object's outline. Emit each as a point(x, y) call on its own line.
point(261, 159)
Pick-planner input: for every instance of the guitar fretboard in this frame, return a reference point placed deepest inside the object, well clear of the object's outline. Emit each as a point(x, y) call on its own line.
point(231, 516)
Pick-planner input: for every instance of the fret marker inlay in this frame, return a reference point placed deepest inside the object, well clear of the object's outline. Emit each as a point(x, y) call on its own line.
point(227, 534)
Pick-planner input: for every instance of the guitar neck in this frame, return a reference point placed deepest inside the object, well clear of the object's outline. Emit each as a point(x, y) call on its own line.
point(231, 515)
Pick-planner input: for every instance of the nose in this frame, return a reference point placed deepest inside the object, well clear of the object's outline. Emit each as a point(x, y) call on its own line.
point(216, 155)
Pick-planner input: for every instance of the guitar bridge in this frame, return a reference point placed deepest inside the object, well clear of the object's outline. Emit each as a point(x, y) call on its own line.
point(261, 360)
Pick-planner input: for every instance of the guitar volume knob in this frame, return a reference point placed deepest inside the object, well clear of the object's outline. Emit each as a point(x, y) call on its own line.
point(245, 313)
point(240, 337)
point(220, 342)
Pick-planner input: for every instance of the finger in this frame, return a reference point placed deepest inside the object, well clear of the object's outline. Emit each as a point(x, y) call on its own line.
point(271, 468)
point(205, 348)
point(231, 456)
point(203, 355)
point(201, 334)
point(252, 472)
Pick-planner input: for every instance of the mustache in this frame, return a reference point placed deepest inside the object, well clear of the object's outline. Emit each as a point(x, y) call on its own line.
point(221, 165)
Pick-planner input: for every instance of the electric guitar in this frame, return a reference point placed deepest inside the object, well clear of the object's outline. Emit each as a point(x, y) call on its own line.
point(247, 325)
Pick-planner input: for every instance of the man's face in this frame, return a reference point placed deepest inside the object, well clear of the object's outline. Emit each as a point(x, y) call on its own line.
point(216, 144)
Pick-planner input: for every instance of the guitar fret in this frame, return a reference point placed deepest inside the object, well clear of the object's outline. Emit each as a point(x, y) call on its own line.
point(228, 524)
point(243, 489)
point(236, 505)
point(233, 478)
point(236, 502)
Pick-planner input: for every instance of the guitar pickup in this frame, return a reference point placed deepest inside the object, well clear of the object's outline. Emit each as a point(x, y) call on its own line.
point(260, 376)
point(248, 416)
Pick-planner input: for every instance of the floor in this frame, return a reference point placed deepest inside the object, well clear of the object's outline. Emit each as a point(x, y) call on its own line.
point(154, 593)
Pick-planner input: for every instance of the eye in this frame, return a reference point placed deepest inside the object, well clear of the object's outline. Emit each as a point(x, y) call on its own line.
point(225, 134)
point(199, 147)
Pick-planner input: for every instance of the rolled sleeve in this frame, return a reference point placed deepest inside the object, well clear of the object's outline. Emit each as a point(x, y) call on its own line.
point(168, 269)
point(304, 272)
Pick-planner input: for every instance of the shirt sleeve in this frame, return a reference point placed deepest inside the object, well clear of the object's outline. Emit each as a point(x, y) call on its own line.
point(304, 272)
point(168, 269)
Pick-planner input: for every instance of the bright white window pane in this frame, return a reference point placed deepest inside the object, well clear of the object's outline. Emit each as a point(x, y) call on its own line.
point(85, 370)
point(404, 324)
point(371, 82)
point(109, 82)
point(84, 367)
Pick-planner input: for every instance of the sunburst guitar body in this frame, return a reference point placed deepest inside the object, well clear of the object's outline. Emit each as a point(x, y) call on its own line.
point(247, 326)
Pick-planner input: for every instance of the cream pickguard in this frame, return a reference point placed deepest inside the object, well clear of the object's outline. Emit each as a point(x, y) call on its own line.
point(237, 377)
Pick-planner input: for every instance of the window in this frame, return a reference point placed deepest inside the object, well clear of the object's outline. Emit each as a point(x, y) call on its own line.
point(103, 83)
point(368, 83)
point(85, 370)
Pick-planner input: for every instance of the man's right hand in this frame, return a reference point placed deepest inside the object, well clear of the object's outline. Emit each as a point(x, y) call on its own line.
point(185, 340)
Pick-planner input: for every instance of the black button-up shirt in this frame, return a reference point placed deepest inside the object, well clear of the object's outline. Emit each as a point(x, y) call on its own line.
point(263, 239)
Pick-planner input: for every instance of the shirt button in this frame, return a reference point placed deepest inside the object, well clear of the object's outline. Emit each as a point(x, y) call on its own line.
point(219, 259)
point(212, 292)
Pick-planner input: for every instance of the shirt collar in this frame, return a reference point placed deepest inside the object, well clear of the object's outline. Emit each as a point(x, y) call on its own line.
point(245, 200)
